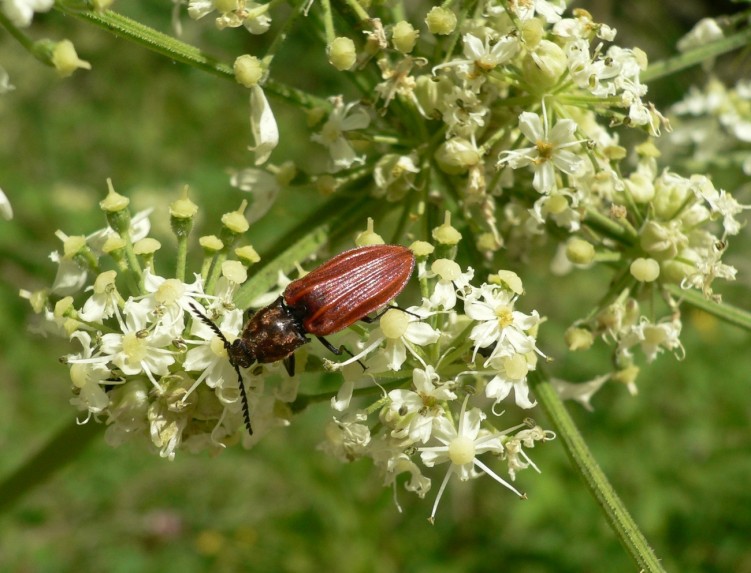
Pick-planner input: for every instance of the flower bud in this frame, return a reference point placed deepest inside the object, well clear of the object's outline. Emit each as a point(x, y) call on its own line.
point(404, 36)
point(660, 240)
point(446, 234)
point(641, 187)
point(645, 270)
point(66, 60)
point(235, 221)
point(234, 271)
point(446, 269)
point(457, 155)
point(394, 323)
point(369, 236)
point(578, 338)
point(211, 244)
point(342, 53)
point(247, 255)
point(248, 70)
point(421, 249)
point(441, 21)
point(579, 251)
point(543, 67)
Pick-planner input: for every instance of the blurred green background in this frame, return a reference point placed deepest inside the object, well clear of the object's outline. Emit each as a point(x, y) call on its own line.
point(678, 453)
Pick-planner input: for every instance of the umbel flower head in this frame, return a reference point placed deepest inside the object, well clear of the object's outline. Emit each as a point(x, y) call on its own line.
point(144, 363)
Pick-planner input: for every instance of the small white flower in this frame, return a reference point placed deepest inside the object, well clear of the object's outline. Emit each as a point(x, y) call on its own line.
point(88, 376)
point(550, 150)
point(137, 349)
point(21, 12)
point(343, 118)
point(262, 125)
point(411, 413)
point(499, 324)
point(581, 392)
point(104, 301)
point(460, 447)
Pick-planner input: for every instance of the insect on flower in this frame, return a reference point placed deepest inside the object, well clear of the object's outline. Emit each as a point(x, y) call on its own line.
point(330, 298)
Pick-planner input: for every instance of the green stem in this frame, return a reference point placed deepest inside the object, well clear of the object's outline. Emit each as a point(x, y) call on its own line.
point(721, 310)
point(615, 512)
point(696, 56)
point(328, 21)
point(22, 38)
point(64, 446)
point(179, 51)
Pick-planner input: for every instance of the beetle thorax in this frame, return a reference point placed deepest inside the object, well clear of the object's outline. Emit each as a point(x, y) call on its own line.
point(271, 334)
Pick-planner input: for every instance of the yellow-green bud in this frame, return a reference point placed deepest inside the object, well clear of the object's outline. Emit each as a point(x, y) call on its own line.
point(641, 187)
point(446, 234)
point(488, 242)
point(543, 67)
point(73, 245)
point(235, 221)
point(394, 323)
point(645, 270)
point(555, 204)
point(113, 202)
point(112, 244)
point(441, 21)
point(430, 92)
point(516, 366)
point(104, 281)
point(626, 375)
point(648, 149)
point(421, 248)
point(447, 269)
point(342, 53)
point(508, 278)
point(248, 70)
point(658, 240)
point(579, 251)
point(63, 306)
point(456, 155)
point(211, 244)
point(614, 152)
point(234, 271)
point(247, 255)
point(146, 246)
point(66, 60)
point(404, 36)
point(369, 236)
point(532, 32)
point(578, 338)
point(183, 208)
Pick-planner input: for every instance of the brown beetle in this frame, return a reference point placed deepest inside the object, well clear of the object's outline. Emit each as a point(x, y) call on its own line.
point(330, 298)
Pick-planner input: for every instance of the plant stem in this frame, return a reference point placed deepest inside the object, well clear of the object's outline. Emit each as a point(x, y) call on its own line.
point(179, 51)
point(696, 56)
point(721, 310)
point(615, 512)
point(64, 446)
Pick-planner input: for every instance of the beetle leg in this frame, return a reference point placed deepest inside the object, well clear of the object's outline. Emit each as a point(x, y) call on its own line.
point(371, 319)
point(338, 351)
point(289, 364)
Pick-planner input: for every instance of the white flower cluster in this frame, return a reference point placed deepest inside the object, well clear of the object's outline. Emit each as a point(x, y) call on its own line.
point(150, 368)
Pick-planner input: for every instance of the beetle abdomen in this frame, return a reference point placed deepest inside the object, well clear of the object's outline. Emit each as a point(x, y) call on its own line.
point(349, 286)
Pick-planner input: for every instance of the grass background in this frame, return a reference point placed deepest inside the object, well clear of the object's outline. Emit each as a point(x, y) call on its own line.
point(678, 453)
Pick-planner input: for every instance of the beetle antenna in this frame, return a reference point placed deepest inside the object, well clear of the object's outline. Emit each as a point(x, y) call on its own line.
point(210, 323)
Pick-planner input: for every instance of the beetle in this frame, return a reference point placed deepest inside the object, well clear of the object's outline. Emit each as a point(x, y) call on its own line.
point(331, 297)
